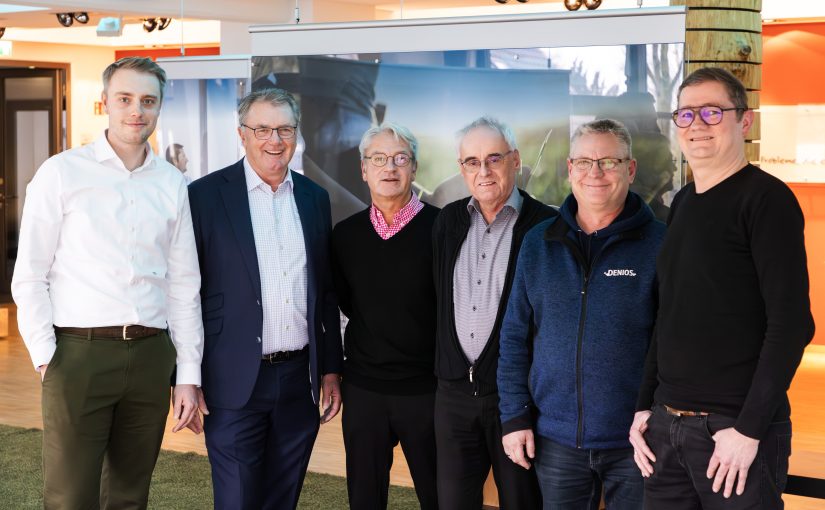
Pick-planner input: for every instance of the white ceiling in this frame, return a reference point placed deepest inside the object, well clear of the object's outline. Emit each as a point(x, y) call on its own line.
point(280, 11)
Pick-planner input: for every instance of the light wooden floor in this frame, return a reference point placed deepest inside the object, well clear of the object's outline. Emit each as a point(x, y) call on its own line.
point(20, 406)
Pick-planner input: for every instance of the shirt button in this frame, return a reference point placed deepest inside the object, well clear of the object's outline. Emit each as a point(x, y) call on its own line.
point(259, 302)
point(132, 229)
point(474, 308)
point(488, 230)
point(287, 300)
point(479, 282)
point(259, 339)
point(484, 255)
point(472, 335)
point(284, 273)
point(287, 328)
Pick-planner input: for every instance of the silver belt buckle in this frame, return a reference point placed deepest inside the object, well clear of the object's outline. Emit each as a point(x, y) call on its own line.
point(124, 333)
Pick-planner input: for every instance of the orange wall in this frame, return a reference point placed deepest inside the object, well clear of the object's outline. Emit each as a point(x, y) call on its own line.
point(793, 64)
point(168, 52)
point(793, 67)
point(812, 200)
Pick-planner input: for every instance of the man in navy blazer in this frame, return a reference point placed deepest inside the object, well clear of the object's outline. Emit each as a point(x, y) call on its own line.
point(272, 334)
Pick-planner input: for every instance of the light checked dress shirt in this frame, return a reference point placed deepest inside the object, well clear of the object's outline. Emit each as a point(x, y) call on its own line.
point(282, 262)
point(480, 272)
point(103, 246)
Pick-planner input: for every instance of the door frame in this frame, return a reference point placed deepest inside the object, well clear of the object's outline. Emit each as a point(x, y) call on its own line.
point(58, 139)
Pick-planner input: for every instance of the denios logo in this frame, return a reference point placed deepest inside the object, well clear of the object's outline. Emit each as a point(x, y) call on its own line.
point(620, 272)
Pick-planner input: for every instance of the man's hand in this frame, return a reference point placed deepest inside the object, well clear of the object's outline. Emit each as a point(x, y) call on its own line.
point(42, 370)
point(330, 396)
point(187, 401)
point(731, 459)
point(516, 444)
point(642, 453)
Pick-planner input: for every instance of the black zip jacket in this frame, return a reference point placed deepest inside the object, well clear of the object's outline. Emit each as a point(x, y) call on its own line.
point(449, 232)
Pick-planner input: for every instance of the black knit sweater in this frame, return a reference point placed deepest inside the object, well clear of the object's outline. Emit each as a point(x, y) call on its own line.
point(734, 313)
point(385, 288)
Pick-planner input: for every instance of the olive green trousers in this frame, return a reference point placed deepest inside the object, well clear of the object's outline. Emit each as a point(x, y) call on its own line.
point(105, 403)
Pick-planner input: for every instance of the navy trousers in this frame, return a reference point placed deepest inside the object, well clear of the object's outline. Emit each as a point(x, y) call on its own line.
point(259, 453)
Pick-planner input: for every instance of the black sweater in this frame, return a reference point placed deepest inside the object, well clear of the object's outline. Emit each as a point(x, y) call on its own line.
point(385, 288)
point(449, 233)
point(734, 314)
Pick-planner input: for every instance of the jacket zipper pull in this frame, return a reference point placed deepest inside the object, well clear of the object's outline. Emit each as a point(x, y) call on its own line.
point(472, 367)
point(475, 386)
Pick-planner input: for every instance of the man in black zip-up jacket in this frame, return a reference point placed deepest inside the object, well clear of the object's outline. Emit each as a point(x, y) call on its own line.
point(476, 241)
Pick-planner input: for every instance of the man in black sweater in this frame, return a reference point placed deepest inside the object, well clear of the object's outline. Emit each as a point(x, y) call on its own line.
point(382, 265)
point(476, 242)
point(734, 319)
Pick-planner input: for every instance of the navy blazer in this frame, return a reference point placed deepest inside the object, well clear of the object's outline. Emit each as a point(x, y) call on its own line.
point(231, 285)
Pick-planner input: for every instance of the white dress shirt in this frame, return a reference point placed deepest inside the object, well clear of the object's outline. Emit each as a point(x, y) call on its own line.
point(282, 262)
point(103, 246)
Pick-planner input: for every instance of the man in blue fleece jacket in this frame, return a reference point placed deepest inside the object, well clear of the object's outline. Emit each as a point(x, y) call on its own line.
point(583, 303)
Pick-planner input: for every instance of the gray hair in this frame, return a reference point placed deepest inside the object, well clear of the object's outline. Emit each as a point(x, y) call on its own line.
point(139, 64)
point(398, 131)
point(273, 96)
point(489, 123)
point(605, 127)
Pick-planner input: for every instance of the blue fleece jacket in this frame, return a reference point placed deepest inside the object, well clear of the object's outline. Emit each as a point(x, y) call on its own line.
point(574, 338)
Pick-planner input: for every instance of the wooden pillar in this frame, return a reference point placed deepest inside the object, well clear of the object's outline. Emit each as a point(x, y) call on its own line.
point(728, 34)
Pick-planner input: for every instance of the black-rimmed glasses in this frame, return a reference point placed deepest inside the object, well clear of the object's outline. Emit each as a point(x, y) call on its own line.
point(710, 115)
point(265, 133)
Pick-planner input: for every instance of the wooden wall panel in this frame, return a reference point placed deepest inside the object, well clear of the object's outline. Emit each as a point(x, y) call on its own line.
point(731, 20)
point(749, 74)
point(725, 46)
point(751, 5)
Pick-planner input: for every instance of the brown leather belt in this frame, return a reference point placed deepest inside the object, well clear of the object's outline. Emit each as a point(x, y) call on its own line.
point(678, 412)
point(281, 356)
point(131, 332)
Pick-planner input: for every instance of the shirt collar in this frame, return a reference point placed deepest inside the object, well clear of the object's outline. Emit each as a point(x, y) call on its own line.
point(104, 152)
point(253, 180)
point(514, 202)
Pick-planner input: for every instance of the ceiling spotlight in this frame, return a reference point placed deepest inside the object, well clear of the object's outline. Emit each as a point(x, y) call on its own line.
point(163, 23)
point(81, 17)
point(65, 18)
point(149, 24)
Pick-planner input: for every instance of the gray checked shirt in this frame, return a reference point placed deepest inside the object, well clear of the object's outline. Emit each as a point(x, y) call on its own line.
point(479, 274)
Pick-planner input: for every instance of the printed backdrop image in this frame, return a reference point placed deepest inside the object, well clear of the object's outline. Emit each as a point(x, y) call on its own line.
point(543, 94)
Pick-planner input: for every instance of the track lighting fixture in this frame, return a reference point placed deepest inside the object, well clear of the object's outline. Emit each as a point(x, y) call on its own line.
point(150, 24)
point(67, 18)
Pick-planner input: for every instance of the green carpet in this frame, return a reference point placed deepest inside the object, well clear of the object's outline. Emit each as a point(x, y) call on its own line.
point(181, 480)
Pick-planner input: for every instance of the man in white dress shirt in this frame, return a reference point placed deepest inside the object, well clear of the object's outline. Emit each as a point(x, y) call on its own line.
point(106, 284)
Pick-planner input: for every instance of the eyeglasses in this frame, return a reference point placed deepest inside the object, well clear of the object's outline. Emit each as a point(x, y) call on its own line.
point(493, 162)
point(583, 165)
point(265, 133)
point(380, 159)
point(711, 115)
